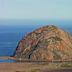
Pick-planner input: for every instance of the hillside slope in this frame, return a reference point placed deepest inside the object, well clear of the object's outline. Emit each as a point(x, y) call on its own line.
point(47, 43)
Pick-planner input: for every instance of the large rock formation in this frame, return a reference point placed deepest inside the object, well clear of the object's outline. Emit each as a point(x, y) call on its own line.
point(47, 43)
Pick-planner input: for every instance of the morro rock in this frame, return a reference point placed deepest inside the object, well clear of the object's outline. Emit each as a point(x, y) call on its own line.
point(47, 43)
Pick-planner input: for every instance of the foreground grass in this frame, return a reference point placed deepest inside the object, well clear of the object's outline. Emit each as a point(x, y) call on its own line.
point(66, 65)
point(34, 66)
point(40, 67)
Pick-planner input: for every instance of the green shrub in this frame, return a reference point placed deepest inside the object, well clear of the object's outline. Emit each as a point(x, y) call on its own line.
point(66, 65)
point(35, 70)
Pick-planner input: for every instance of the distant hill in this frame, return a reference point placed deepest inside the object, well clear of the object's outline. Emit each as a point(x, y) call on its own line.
point(47, 43)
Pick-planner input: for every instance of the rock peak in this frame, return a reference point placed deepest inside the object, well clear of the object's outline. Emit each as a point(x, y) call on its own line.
point(47, 43)
point(49, 27)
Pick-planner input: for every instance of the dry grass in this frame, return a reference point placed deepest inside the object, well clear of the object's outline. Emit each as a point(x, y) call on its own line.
point(29, 67)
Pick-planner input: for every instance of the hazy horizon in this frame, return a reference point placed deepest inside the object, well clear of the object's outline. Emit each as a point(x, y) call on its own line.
point(36, 9)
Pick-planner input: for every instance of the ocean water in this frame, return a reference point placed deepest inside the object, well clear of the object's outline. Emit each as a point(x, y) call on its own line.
point(9, 39)
point(11, 32)
point(6, 61)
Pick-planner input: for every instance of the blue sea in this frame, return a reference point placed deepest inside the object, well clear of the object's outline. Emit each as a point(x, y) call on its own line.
point(11, 32)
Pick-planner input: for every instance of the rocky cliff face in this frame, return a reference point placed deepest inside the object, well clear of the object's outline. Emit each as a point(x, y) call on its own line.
point(47, 43)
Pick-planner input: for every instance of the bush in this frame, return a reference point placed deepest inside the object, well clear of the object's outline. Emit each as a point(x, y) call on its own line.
point(66, 65)
point(35, 70)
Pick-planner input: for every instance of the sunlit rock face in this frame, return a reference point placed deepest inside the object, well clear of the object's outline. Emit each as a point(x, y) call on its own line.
point(47, 43)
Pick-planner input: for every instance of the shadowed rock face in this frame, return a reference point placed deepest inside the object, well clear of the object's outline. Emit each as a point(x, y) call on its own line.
point(47, 43)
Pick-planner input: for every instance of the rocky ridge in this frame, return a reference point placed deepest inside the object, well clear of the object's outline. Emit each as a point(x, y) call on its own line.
point(47, 43)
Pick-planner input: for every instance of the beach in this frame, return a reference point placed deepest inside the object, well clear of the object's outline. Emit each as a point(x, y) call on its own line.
point(32, 67)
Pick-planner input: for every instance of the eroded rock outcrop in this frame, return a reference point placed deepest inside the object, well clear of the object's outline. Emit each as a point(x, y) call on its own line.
point(47, 43)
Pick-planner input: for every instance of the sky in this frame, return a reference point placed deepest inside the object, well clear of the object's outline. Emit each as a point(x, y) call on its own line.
point(36, 9)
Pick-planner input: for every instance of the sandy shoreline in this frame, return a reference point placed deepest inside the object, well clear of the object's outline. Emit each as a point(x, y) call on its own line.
point(7, 57)
point(19, 67)
point(29, 67)
point(13, 67)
